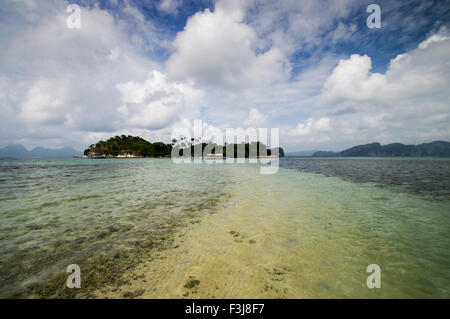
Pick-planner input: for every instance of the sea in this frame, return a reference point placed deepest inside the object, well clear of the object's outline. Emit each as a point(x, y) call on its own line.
point(150, 228)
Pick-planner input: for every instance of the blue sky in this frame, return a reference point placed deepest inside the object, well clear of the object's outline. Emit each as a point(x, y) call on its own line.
point(311, 68)
point(405, 25)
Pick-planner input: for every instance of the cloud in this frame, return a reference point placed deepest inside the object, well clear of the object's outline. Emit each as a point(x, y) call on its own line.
point(218, 48)
point(169, 6)
point(435, 38)
point(311, 126)
point(408, 103)
point(307, 67)
point(156, 102)
point(303, 25)
point(352, 79)
point(422, 72)
point(44, 102)
point(255, 119)
point(62, 82)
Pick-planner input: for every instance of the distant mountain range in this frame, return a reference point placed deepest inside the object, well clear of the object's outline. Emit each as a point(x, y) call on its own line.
point(434, 149)
point(19, 151)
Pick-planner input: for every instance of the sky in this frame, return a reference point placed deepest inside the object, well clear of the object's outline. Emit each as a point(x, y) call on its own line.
point(312, 68)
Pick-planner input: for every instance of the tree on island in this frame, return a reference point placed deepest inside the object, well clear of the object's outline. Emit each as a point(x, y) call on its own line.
point(134, 145)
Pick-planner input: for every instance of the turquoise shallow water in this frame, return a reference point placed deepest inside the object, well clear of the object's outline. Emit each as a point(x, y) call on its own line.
point(54, 212)
point(313, 235)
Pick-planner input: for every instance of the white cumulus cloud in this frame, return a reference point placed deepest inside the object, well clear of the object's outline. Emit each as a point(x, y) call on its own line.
point(311, 126)
point(156, 102)
point(408, 103)
point(218, 48)
point(255, 119)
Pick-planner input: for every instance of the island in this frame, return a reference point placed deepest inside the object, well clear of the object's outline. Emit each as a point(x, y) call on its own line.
point(127, 146)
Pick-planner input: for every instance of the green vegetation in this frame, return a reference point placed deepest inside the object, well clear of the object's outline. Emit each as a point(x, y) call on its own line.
point(252, 149)
point(121, 145)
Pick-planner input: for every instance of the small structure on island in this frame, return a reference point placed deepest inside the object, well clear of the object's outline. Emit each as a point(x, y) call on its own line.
point(127, 155)
point(214, 156)
point(96, 155)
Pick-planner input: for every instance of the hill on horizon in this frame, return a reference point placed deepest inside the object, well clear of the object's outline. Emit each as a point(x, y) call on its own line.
point(19, 151)
point(432, 149)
